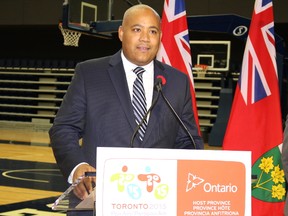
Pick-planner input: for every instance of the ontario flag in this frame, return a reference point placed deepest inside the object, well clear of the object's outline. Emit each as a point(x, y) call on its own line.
point(255, 120)
point(175, 48)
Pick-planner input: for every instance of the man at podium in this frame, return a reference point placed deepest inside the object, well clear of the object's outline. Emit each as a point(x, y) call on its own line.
point(108, 98)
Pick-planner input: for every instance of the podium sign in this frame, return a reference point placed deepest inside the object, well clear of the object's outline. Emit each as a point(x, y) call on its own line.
point(166, 182)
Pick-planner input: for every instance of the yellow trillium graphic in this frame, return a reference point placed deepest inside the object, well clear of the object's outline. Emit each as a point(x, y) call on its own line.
point(270, 183)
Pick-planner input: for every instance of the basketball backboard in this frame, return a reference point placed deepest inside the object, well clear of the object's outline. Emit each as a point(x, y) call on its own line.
point(79, 14)
point(214, 54)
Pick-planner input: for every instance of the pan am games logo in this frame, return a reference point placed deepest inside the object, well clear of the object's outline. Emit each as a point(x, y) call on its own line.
point(135, 185)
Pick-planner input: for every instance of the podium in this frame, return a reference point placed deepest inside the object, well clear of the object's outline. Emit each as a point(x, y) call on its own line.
point(171, 182)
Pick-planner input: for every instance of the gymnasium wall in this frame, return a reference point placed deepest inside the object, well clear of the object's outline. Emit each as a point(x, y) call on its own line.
point(28, 28)
point(48, 12)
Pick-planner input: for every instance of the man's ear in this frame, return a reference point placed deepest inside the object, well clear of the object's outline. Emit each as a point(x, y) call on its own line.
point(120, 33)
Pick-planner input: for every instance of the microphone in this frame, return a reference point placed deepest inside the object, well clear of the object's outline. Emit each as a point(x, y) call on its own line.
point(162, 81)
point(158, 88)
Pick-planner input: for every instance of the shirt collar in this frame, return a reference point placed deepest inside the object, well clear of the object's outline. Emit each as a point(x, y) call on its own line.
point(130, 66)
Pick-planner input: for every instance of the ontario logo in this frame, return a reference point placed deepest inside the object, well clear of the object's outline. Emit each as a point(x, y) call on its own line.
point(194, 181)
point(136, 184)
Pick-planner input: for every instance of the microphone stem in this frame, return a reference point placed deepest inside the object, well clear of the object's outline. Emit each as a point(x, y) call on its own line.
point(178, 118)
point(143, 119)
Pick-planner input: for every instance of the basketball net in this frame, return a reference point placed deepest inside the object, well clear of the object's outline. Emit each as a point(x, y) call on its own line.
point(71, 38)
point(201, 69)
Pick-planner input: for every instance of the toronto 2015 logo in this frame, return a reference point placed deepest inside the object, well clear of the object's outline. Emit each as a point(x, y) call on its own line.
point(136, 184)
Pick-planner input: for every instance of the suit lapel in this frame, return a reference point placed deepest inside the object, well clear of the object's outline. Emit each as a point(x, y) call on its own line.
point(118, 77)
point(156, 112)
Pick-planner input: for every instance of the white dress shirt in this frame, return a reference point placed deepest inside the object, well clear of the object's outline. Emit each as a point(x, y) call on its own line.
point(148, 78)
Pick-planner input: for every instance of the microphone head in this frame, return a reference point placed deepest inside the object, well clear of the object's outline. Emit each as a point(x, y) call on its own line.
point(161, 79)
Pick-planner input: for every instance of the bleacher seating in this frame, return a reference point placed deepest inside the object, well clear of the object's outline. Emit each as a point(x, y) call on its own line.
point(207, 95)
point(31, 90)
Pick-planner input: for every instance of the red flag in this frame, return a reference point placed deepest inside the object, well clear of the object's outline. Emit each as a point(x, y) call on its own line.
point(255, 120)
point(175, 48)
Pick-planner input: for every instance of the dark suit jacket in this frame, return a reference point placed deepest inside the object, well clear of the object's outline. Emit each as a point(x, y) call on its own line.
point(97, 108)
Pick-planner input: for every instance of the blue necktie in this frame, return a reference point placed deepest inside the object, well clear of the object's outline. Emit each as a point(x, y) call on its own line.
point(139, 101)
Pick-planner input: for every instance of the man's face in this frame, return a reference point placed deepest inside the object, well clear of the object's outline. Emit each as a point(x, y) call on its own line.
point(140, 35)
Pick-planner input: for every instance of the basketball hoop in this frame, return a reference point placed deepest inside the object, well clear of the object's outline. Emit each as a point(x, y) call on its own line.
point(201, 69)
point(71, 38)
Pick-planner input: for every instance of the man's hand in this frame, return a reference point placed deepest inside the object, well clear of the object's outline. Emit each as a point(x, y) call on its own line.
point(86, 185)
